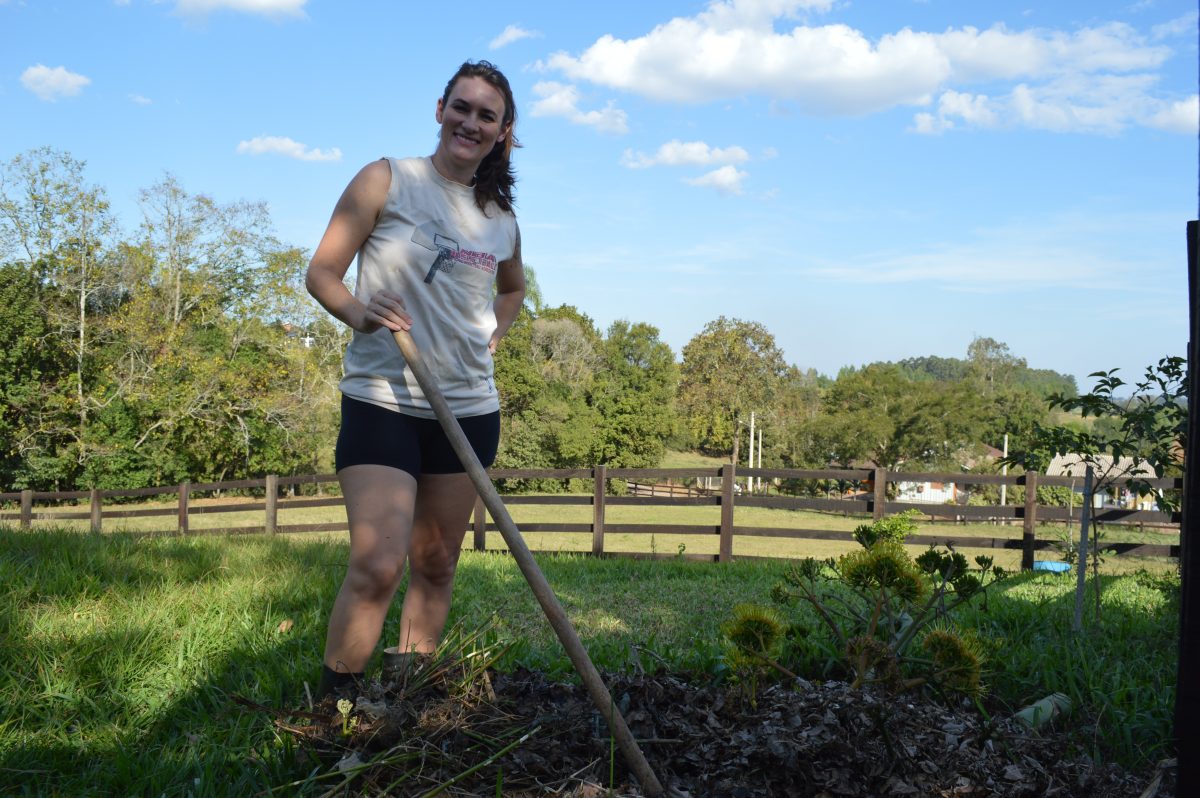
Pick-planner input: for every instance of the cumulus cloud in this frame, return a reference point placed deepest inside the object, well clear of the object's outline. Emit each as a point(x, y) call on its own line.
point(281, 145)
point(513, 33)
point(276, 9)
point(681, 153)
point(1177, 117)
point(50, 84)
point(1080, 80)
point(559, 99)
point(726, 180)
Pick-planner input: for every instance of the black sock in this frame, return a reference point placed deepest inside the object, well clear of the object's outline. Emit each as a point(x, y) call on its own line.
point(335, 681)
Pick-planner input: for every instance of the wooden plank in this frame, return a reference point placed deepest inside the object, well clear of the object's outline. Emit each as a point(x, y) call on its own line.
point(599, 484)
point(728, 476)
point(797, 503)
point(880, 500)
point(237, 484)
point(294, 504)
point(662, 473)
point(335, 526)
point(676, 501)
point(272, 503)
point(564, 499)
point(1029, 519)
point(959, 478)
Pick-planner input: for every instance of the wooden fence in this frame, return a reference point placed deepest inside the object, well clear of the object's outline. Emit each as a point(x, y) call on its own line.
point(870, 500)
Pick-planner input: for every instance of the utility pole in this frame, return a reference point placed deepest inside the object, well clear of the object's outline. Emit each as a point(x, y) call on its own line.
point(1004, 471)
point(750, 461)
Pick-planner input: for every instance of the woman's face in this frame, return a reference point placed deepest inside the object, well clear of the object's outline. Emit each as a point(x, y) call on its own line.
point(472, 120)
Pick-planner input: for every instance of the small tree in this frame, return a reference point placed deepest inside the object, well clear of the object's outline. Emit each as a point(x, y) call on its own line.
point(887, 613)
point(1147, 429)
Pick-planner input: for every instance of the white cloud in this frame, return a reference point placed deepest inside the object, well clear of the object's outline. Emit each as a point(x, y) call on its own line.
point(1180, 26)
point(1177, 117)
point(512, 33)
point(281, 145)
point(689, 153)
point(1090, 79)
point(140, 100)
point(276, 9)
point(51, 84)
point(558, 99)
point(726, 180)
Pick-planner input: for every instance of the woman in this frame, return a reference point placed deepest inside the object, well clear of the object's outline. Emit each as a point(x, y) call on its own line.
point(433, 236)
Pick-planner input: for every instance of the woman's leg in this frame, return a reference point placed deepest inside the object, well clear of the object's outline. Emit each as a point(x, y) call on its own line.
point(380, 503)
point(444, 504)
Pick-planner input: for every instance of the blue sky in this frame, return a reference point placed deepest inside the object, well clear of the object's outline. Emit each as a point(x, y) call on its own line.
point(869, 180)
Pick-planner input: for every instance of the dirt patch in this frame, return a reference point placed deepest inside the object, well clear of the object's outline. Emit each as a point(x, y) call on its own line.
point(523, 735)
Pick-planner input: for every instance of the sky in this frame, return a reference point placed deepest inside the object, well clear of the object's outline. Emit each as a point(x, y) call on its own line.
point(867, 180)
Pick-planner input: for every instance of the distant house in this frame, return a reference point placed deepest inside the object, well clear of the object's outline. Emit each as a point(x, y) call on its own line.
point(927, 492)
point(1074, 465)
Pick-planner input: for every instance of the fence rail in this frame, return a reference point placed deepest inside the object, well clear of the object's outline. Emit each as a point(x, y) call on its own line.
point(870, 499)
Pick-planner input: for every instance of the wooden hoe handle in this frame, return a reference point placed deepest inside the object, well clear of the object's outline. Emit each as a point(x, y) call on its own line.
point(537, 581)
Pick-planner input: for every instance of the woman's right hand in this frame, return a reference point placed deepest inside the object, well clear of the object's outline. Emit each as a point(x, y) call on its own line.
point(384, 309)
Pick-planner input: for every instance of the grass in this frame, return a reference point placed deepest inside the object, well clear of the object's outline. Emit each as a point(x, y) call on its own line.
point(121, 651)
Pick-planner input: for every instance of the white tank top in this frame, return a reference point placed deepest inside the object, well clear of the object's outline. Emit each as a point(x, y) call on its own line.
point(436, 249)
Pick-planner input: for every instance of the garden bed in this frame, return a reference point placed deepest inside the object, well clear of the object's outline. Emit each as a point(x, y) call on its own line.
point(523, 735)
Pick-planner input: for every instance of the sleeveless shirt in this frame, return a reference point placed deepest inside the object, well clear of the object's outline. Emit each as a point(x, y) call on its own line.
point(434, 247)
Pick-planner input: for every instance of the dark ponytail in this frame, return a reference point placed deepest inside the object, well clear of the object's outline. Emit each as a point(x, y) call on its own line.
point(494, 179)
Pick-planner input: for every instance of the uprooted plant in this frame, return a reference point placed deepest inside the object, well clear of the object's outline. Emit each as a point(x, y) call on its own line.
point(888, 614)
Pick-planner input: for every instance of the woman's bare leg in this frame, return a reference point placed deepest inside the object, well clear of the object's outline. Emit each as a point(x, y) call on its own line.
point(380, 505)
point(444, 504)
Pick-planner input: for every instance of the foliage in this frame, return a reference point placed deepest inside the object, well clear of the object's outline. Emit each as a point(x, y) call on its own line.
point(877, 602)
point(876, 414)
point(730, 369)
point(892, 528)
point(1149, 427)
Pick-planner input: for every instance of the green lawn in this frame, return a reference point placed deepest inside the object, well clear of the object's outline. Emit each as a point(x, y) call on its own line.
point(122, 651)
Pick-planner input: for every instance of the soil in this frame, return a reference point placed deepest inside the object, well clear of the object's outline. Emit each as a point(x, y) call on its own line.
point(523, 735)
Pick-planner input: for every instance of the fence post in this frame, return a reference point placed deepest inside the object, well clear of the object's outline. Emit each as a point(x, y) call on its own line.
point(185, 488)
point(1029, 527)
point(598, 492)
point(728, 475)
point(880, 494)
point(479, 524)
point(26, 509)
point(272, 520)
point(97, 510)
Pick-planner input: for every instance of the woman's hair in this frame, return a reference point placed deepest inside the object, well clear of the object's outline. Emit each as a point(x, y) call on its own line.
point(494, 179)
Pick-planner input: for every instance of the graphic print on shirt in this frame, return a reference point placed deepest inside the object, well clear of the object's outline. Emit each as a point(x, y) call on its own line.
point(449, 253)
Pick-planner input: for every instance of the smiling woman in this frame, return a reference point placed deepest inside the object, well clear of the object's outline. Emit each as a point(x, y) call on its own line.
point(439, 256)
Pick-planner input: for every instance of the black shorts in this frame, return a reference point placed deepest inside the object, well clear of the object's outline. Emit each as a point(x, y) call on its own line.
point(374, 435)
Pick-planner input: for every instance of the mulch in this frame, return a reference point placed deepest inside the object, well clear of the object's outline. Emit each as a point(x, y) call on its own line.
point(524, 735)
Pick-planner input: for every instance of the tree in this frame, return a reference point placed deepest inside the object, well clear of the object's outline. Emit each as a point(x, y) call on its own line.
point(1147, 429)
point(59, 226)
point(731, 368)
point(876, 414)
point(32, 360)
point(634, 393)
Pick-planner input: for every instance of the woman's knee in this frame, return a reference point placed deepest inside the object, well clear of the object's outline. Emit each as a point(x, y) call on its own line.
point(435, 565)
point(374, 579)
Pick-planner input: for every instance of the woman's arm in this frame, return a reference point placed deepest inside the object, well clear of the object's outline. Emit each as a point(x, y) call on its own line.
point(510, 293)
point(353, 219)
